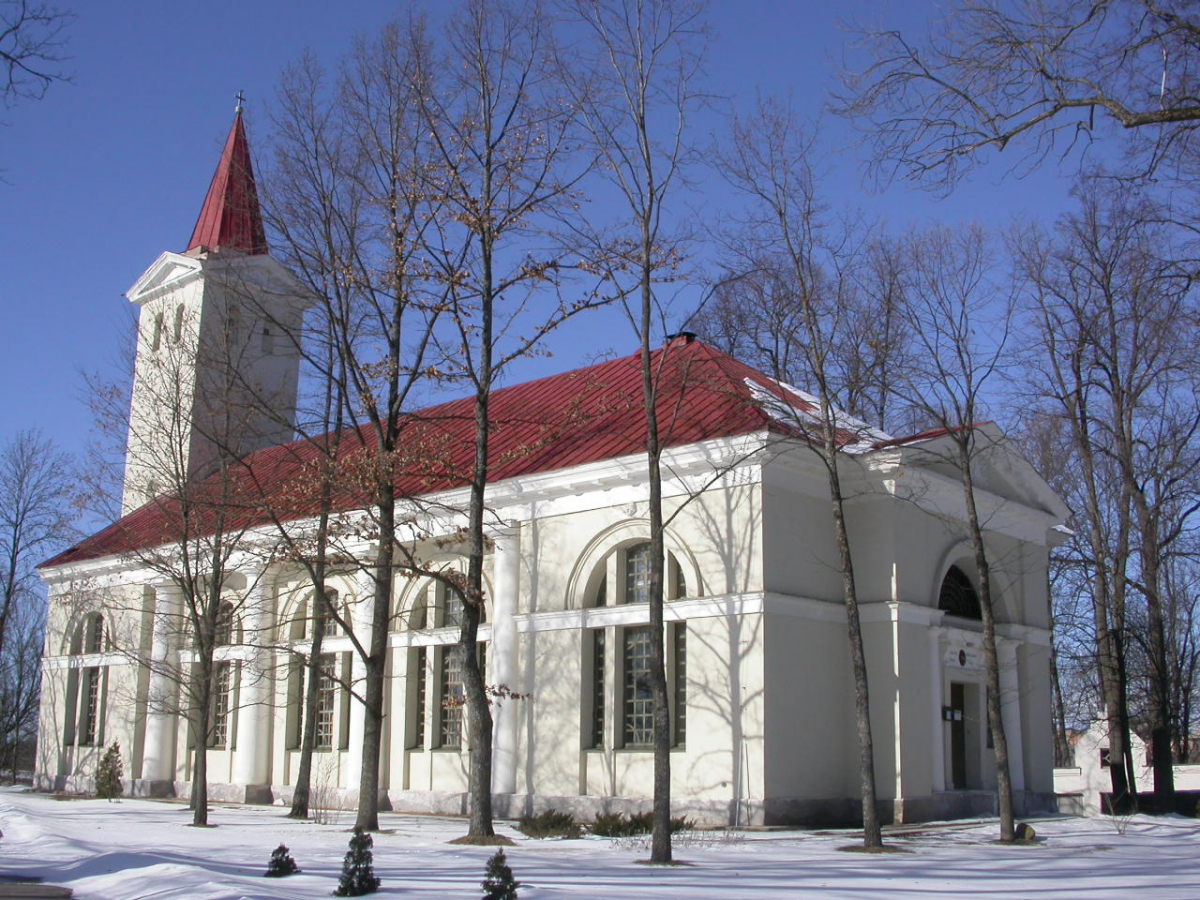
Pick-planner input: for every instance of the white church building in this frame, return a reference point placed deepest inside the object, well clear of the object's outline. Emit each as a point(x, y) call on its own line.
point(760, 680)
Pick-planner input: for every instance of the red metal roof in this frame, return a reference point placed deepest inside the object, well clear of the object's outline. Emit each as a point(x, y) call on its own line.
point(578, 417)
point(230, 218)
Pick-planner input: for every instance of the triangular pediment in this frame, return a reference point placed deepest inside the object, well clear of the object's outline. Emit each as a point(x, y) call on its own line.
point(168, 272)
point(998, 468)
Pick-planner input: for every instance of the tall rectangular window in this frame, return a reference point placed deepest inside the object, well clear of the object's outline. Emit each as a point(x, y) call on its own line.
point(326, 702)
point(679, 676)
point(450, 709)
point(638, 704)
point(295, 704)
point(419, 700)
point(218, 734)
point(91, 708)
point(596, 739)
point(347, 699)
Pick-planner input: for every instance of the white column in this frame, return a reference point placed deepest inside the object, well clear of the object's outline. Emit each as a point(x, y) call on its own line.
point(250, 763)
point(158, 751)
point(362, 617)
point(506, 585)
point(1010, 710)
point(937, 738)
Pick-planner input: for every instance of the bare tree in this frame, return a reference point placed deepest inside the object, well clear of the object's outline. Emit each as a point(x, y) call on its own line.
point(1041, 77)
point(644, 61)
point(503, 129)
point(961, 324)
point(350, 201)
point(1107, 297)
point(35, 495)
point(795, 265)
point(32, 38)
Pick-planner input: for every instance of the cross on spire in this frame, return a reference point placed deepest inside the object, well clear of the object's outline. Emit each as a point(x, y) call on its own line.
point(241, 96)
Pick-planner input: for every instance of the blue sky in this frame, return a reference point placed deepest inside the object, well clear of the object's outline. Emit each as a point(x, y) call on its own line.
point(106, 173)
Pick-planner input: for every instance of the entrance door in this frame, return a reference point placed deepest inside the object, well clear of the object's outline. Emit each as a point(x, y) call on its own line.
point(958, 736)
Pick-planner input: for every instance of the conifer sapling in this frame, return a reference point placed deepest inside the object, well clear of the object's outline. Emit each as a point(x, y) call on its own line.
point(358, 871)
point(498, 881)
point(109, 772)
point(281, 864)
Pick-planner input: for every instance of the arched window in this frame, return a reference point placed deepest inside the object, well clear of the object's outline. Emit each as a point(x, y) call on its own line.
point(86, 686)
point(324, 616)
point(224, 636)
point(158, 330)
point(637, 573)
point(957, 596)
point(94, 633)
point(617, 659)
point(178, 323)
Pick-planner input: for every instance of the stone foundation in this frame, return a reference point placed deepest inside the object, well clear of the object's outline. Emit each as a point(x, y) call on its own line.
point(795, 812)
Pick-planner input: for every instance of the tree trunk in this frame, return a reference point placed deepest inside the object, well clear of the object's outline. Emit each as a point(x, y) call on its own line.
point(376, 657)
point(199, 799)
point(1160, 674)
point(872, 832)
point(308, 740)
point(660, 841)
point(1004, 797)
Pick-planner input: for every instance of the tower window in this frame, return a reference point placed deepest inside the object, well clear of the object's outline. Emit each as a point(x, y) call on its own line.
point(178, 323)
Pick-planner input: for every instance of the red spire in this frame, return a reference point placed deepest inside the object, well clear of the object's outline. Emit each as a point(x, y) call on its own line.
point(230, 218)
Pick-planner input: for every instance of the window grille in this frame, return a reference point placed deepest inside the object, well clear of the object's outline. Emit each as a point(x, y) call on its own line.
point(597, 725)
point(219, 726)
point(638, 703)
point(91, 710)
point(958, 597)
point(680, 678)
point(326, 702)
point(637, 574)
point(451, 706)
point(422, 684)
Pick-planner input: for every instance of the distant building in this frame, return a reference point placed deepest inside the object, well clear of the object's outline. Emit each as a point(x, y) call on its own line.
point(1080, 787)
point(760, 680)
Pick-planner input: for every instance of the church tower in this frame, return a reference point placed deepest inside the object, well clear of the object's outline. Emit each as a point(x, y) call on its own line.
point(217, 362)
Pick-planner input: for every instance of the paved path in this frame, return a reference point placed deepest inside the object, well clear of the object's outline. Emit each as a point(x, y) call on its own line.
point(25, 890)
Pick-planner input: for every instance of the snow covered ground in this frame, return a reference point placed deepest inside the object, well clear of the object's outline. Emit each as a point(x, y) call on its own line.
point(143, 849)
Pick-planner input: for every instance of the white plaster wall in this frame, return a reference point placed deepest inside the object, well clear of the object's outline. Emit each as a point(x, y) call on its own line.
point(810, 747)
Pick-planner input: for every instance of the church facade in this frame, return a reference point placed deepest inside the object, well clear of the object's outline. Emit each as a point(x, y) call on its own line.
point(760, 683)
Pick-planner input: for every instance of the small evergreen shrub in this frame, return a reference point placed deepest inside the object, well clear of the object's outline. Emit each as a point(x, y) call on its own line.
point(611, 825)
point(498, 881)
point(550, 824)
point(358, 868)
point(281, 864)
point(109, 772)
point(620, 825)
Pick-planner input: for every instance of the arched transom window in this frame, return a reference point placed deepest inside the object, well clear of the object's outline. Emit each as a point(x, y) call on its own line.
point(957, 596)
